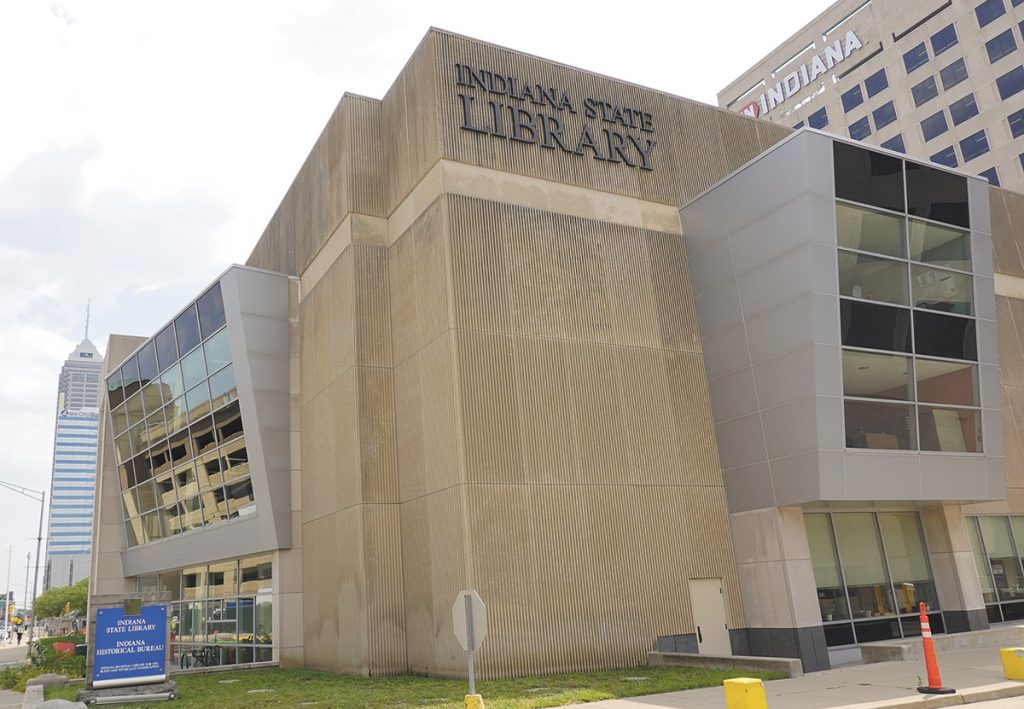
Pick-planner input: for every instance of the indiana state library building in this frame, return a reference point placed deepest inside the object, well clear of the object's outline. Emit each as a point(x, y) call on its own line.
point(645, 373)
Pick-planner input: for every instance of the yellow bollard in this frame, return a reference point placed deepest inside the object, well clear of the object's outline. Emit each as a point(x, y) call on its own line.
point(1013, 662)
point(745, 693)
point(474, 701)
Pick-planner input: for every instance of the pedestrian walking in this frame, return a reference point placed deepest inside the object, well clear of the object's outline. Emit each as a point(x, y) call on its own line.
point(18, 632)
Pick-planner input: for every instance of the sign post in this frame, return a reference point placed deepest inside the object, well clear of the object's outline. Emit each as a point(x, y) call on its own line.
point(130, 649)
point(469, 621)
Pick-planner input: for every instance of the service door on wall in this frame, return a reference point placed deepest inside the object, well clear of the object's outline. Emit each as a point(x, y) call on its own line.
point(708, 606)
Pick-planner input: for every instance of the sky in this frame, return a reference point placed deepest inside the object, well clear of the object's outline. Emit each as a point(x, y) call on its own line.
point(145, 144)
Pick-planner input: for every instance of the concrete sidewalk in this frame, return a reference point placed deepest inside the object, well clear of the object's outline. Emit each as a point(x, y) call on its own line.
point(975, 674)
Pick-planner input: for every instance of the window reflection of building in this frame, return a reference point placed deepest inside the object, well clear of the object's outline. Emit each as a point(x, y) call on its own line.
point(183, 463)
point(222, 613)
point(871, 570)
point(997, 542)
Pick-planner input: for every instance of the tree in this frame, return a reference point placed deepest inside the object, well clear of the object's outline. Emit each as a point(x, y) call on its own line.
point(52, 603)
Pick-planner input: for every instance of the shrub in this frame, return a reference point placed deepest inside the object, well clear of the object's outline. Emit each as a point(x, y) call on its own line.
point(43, 656)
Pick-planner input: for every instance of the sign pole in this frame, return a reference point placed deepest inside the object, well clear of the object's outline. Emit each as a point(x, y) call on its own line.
point(469, 643)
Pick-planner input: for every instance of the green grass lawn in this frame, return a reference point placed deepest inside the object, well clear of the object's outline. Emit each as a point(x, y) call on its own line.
point(288, 688)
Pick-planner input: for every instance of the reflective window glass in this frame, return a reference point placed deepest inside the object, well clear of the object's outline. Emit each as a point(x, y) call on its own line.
point(186, 330)
point(974, 145)
point(868, 177)
point(860, 129)
point(868, 230)
point(916, 57)
point(133, 532)
point(193, 583)
point(944, 39)
point(218, 351)
point(879, 425)
point(166, 347)
point(209, 470)
point(119, 419)
point(877, 376)
point(827, 574)
point(223, 579)
point(938, 289)
point(895, 143)
point(235, 460)
point(988, 589)
point(934, 125)
point(134, 410)
point(126, 475)
point(940, 246)
point(215, 506)
point(179, 446)
point(161, 459)
point(991, 175)
point(143, 468)
point(171, 383)
point(1000, 46)
point(963, 110)
point(115, 392)
point(148, 368)
point(1002, 557)
point(186, 482)
point(953, 430)
point(176, 415)
point(197, 400)
point(818, 119)
point(937, 194)
point(867, 580)
point(884, 115)
point(222, 387)
point(852, 98)
point(988, 11)
point(908, 561)
point(264, 622)
point(875, 327)
point(170, 518)
point(152, 400)
point(193, 369)
point(165, 490)
point(946, 156)
point(953, 74)
point(1011, 83)
point(240, 498)
point(211, 310)
point(1016, 123)
point(124, 447)
point(924, 91)
point(876, 83)
point(942, 382)
point(130, 376)
point(872, 278)
point(192, 513)
point(228, 422)
point(945, 336)
point(203, 438)
point(145, 495)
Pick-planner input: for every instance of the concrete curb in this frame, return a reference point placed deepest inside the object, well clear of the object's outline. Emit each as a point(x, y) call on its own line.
point(971, 695)
point(33, 697)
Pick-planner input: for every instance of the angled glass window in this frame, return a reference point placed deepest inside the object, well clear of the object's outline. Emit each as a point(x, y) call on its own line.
point(895, 143)
point(818, 119)
point(868, 230)
point(878, 376)
point(916, 57)
point(798, 126)
point(166, 347)
point(1011, 83)
point(953, 430)
point(186, 328)
point(944, 39)
point(941, 382)
point(937, 194)
point(924, 91)
point(974, 145)
point(872, 278)
point(991, 175)
point(879, 425)
point(944, 336)
point(852, 99)
point(940, 246)
point(884, 115)
point(130, 377)
point(211, 310)
point(953, 74)
point(963, 110)
point(1001, 45)
point(946, 157)
point(115, 392)
point(1016, 121)
point(875, 327)
point(939, 289)
point(860, 129)
point(148, 368)
point(989, 10)
point(876, 83)
point(868, 177)
point(934, 126)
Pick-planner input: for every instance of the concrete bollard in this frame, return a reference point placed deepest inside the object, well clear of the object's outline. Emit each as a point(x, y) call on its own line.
point(1013, 662)
point(474, 701)
point(745, 693)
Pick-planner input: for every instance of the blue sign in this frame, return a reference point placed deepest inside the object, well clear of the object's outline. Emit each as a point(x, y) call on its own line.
point(129, 649)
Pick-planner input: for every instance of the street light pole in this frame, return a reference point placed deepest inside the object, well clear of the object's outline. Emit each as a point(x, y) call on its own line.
point(31, 494)
point(7, 595)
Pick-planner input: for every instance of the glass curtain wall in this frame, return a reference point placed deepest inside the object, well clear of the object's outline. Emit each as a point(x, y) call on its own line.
point(221, 614)
point(871, 570)
point(997, 542)
point(910, 373)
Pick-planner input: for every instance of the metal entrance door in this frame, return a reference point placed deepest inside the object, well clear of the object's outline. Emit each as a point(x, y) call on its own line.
point(709, 619)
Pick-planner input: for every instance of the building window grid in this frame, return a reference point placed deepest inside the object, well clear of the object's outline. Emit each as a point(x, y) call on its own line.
point(1002, 45)
point(913, 356)
point(933, 613)
point(997, 611)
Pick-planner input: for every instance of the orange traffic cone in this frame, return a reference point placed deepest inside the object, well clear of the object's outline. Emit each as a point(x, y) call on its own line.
point(934, 680)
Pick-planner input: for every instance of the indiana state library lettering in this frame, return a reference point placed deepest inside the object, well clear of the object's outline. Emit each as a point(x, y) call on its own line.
point(528, 112)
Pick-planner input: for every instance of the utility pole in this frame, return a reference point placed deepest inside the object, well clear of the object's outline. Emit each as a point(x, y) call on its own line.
point(7, 595)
